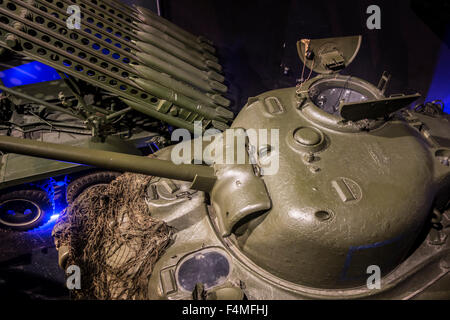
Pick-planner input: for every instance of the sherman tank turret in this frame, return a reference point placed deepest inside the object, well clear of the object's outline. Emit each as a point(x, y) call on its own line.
point(336, 184)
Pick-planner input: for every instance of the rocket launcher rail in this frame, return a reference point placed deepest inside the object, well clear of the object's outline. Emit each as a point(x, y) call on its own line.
point(174, 85)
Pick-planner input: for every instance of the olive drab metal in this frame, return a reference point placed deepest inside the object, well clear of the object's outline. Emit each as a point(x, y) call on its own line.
point(362, 184)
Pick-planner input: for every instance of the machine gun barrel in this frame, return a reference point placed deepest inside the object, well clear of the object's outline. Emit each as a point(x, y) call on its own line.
point(203, 177)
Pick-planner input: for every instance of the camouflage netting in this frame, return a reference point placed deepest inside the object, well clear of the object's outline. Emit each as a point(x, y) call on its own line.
point(113, 239)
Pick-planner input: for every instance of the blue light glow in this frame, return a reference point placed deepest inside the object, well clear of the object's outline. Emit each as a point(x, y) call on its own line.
point(154, 144)
point(52, 187)
point(29, 73)
point(47, 227)
point(440, 86)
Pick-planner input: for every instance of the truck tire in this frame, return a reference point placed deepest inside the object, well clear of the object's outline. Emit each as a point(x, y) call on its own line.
point(23, 210)
point(76, 187)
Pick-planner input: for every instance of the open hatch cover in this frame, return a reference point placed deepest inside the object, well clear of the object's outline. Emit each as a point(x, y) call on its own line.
point(328, 55)
point(375, 109)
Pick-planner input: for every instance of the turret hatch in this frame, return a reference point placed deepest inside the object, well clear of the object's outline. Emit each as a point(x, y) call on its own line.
point(328, 55)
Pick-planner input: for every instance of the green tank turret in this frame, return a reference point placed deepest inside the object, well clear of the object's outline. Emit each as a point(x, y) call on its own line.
point(334, 192)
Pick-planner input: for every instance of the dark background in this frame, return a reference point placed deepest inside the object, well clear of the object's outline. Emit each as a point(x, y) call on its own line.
point(257, 38)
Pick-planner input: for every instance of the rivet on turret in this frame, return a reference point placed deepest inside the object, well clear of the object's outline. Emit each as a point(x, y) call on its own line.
point(309, 157)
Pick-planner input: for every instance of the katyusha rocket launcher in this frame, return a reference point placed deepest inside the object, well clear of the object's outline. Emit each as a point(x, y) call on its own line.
point(358, 206)
point(155, 67)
